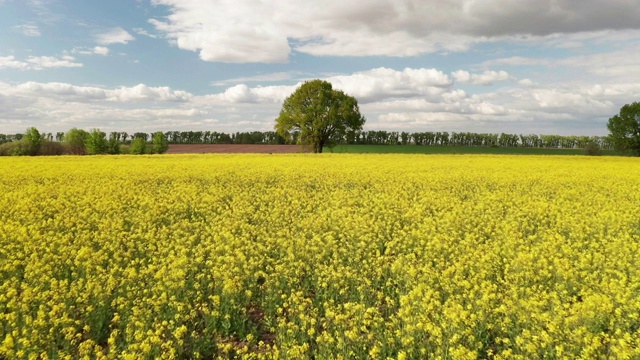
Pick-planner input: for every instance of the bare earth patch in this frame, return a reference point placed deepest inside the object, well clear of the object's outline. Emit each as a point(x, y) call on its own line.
point(234, 149)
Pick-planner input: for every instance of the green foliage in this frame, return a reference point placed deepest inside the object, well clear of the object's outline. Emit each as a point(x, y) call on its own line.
point(113, 145)
point(592, 149)
point(138, 146)
point(75, 140)
point(4, 148)
point(96, 142)
point(625, 129)
point(25, 144)
point(319, 113)
point(49, 148)
point(32, 140)
point(159, 143)
point(14, 148)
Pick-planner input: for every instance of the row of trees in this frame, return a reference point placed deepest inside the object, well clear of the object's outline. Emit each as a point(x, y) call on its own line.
point(175, 137)
point(473, 139)
point(80, 142)
point(355, 137)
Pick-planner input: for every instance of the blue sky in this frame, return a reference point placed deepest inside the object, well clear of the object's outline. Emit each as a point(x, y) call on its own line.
point(528, 66)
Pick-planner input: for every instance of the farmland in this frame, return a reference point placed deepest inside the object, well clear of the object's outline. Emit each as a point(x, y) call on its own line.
point(461, 150)
point(290, 256)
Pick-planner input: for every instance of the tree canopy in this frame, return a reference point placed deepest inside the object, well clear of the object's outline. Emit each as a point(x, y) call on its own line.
point(318, 113)
point(33, 140)
point(75, 140)
point(96, 142)
point(625, 129)
point(160, 144)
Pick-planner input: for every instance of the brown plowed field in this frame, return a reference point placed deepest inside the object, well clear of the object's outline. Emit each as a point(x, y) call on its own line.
point(233, 149)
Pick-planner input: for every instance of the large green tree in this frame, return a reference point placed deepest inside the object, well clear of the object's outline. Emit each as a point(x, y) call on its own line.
point(624, 129)
point(32, 140)
point(159, 143)
point(96, 142)
point(75, 141)
point(138, 146)
point(319, 114)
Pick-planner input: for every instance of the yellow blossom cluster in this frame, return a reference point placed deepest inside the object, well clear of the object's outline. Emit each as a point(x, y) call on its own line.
point(334, 256)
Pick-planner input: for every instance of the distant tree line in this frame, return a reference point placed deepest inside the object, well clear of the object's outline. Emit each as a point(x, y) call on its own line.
point(214, 137)
point(473, 139)
point(77, 141)
point(80, 142)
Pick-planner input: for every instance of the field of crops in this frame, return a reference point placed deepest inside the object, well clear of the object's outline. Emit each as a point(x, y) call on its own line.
point(332, 256)
point(451, 150)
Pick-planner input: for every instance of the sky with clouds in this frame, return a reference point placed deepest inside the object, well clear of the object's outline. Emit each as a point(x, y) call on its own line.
point(517, 66)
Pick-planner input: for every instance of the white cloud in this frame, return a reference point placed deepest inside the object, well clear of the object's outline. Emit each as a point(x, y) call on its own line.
point(486, 78)
point(384, 83)
point(101, 50)
point(61, 106)
point(242, 39)
point(114, 36)
point(143, 92)
point(10, 62)
point(28, 30)
point(73, 93)
point(38, 62)
point(242, 93)
point(366, 86)
point(96, 50)
point(246, 31)
point(62, 91)
point(47, 62)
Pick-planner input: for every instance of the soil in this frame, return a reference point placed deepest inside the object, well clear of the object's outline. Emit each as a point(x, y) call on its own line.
point(233, 149)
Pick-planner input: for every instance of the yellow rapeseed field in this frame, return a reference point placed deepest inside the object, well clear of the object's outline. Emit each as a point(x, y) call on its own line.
point(330, 256)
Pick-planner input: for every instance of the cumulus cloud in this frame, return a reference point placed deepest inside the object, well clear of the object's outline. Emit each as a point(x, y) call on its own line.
point(245, 31)
point(61, 106)
point(381, 83)
point(366, 86)
point(486, 78)
point(229, 33)
point(242, 93)
point(116, 35)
